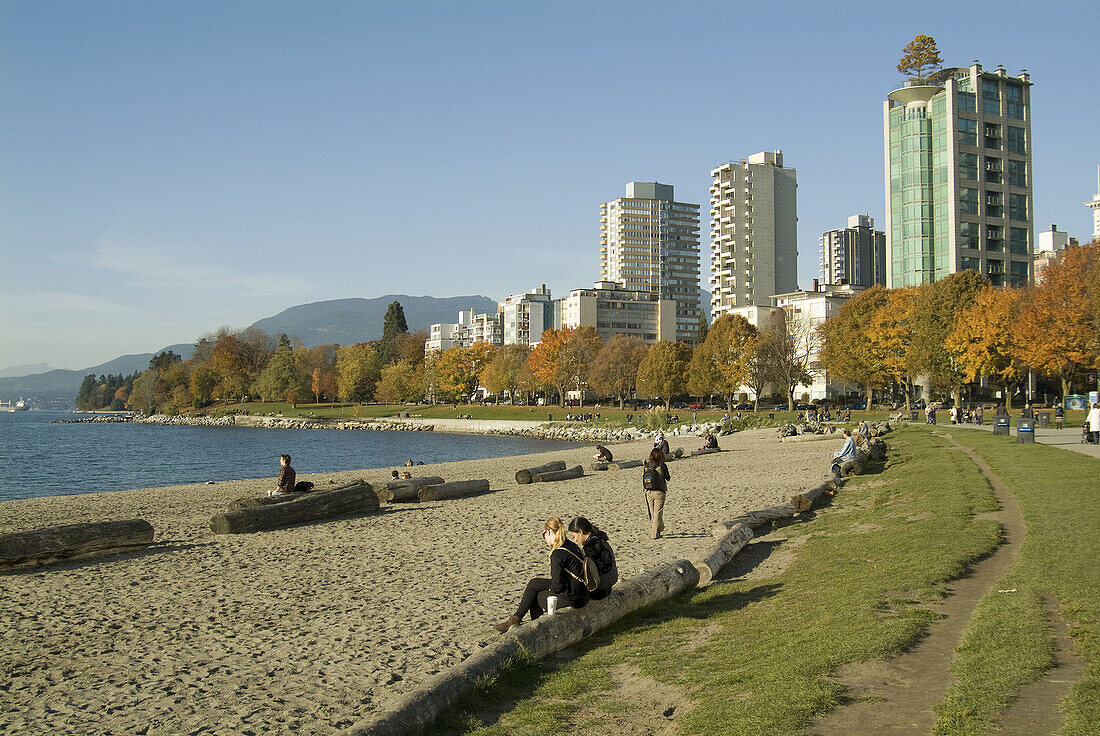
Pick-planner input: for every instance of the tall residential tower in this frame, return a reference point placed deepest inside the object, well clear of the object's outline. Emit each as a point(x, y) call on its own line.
point(958, 177)
point(854, 255)
point(753, 232)
point(650, 242)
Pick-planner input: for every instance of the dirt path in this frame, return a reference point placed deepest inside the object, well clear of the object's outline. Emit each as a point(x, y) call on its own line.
point(897, 696)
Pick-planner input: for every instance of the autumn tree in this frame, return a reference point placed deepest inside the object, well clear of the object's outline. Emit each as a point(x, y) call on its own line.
point(920, 55)
point(393, 324)
point(847, 345)
point(254, 348)
point(409, 347)
point(933, 321)
point(319, 364)
point(615, 370)
point(399, 383)
point(982, 339)
point(503, 373)
point(788, 350)
point(543, 361)
point(1056, 331)
point(720, 364)
point(458, 368)
point(358, 369)
point(663, 371)
point(891, 336)
point(578, 352)
point(227, 362)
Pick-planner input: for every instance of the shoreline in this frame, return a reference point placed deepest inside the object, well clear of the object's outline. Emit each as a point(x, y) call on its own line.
point(311, 628)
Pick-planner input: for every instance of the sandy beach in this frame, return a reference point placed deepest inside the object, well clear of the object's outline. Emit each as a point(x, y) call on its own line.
point(310, 628)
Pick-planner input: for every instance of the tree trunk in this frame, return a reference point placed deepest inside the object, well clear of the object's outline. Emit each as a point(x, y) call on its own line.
point(574, 472)
point(805, 501)
point(455, 489)
point(354, 499)
point(407, 489)
point(526, 475)
point(74, 541)
point(870, 393)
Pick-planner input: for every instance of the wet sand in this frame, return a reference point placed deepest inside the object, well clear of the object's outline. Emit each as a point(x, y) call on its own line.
point(310, 628)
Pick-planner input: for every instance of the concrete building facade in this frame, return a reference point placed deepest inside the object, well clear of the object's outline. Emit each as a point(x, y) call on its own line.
point(854, 255)
point(524, 317)
point(650, 242)
point(1052, 244)
point(958, 177)
point(753, 232)
point(613, 309)
point(470, 328)
point(805, 311)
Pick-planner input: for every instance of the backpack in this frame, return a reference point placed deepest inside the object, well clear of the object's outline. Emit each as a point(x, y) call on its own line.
point(591, 573)
point(303, 486)
point(651, 479)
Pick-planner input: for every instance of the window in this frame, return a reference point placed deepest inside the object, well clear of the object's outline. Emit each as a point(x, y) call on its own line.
point(974, 264)
point(1014, 101)
point(1017, 206)
point(968, 201)
point(994, 239)
point(1018, 273)
point(993, 169)
point(969, 235)
point(992, 136)
point(1017, 173)
point(1015, 140)
point(991, 97)
point(968, 166)
point(967, 101)
point(968, 132)
point(1017, 241)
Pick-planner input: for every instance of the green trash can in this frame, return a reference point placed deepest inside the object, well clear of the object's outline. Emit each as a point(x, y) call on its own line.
point(1043, 419)
point(1025, 431)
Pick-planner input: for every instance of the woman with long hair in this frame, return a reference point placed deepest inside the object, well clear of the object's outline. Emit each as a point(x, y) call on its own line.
point(566, 579)
point(655, 479)
point(595, 545)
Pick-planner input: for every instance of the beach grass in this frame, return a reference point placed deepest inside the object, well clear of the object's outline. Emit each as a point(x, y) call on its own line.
point(1009, 640)
point(753, 655)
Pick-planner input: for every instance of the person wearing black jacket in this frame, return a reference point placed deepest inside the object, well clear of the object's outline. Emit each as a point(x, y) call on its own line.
point(566, 579)
point(593, 542)
point(655, 497)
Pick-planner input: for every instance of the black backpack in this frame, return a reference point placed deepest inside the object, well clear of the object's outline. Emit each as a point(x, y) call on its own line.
point(651, 479)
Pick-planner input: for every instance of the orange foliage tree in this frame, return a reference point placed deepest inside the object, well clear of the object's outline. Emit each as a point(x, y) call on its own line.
point(891, 335)
point(982, 342)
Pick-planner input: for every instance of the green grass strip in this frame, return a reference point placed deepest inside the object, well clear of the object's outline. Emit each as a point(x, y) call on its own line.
point(1008, 642)
point(754, 656)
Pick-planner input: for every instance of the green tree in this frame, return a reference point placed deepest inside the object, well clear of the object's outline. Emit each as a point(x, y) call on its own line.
point(358, 369)
point(400, 382)
point(720, 364)
point(704, 326)
point(919, 55)
point(502, 374)
point(281, 380)
point(393, 324)
point(615, 370)
point(663, 372)
point(86, 395)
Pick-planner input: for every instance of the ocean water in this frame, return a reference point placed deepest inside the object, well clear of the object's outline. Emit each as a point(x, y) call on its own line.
point(39, 457)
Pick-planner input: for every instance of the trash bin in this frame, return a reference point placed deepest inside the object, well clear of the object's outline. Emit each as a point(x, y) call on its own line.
point(914, 416)
point(1044, 419)
point(1025, 431)
point(1000, 424)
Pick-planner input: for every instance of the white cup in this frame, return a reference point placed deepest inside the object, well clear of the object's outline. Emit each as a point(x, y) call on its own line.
point(551, 604)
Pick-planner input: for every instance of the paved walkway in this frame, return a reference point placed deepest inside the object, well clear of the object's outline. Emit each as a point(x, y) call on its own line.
point(1067, 439)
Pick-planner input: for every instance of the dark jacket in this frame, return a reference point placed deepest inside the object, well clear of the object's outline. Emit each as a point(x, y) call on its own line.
point(565, 563)
point(662, 475)
point(599, 549)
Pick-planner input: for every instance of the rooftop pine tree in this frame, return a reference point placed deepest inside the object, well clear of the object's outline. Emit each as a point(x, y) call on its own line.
point(919, 55)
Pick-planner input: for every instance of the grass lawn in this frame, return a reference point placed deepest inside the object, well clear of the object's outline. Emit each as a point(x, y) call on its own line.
point(1008, 642)
point(752, 656)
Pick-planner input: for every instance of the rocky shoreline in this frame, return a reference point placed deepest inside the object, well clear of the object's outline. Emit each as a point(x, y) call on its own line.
point(548, 431)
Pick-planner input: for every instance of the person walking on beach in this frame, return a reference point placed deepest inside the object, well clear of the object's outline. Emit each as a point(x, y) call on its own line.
point(285, 482)
point(655, 479)
point(566, 580)
point(593, 542)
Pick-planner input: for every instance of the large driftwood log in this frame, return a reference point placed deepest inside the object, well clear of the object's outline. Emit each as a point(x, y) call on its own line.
point(805, 501)
point(676, 454)
point(622, 464)
point(73, 541)
point(754, 519)
point(408, 488)
point(419, 709)
point(255, 503)
point(723, 551)
point(574, 472)
point(356, 498)
point(526, 475)
point(599, 465)
point(454, 489)
point(705, 451)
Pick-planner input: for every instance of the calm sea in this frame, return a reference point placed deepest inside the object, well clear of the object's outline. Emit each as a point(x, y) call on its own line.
point(41, 458)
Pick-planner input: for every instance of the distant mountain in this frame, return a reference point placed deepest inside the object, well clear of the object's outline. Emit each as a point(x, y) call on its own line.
point(18, 371)
point(348, 321)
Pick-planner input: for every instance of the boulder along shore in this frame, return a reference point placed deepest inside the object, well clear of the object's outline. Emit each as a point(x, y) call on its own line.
point(310, 628)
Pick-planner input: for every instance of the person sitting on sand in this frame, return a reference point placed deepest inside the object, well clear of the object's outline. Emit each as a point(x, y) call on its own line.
point(566, 579)
point(847, 451)
point(710, 443)
point(593, 542)
point(285, 481)
point(409, 464)
point(394, 475)
point(602, 454)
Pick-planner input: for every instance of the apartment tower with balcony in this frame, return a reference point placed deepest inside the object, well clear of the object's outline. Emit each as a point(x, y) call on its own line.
point(753, 232)
point(855, 254)
point(959, 177)
point(650, 242)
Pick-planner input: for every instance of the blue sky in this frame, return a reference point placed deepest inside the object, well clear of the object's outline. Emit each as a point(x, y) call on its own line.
point(170, 167)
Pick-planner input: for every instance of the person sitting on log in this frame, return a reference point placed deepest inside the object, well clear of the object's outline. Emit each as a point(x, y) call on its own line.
point(566, 580)
point(597, 548)
point(660, 443)
point(710, 443)
point(847, 451)
point(603, 454)
point(285, 481)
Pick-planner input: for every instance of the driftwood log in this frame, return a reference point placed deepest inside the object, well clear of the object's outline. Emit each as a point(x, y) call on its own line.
point(599, 465)
point(527, 475)
point(805, 501)
point(574, 472)
point(754, 519)
point(255, 503)
point(74, 541)
point(354, 498)
point(728, 545)
point(407, 489)
point(454, 489)
point(622, 464)
point(419, 710)
point(676, 454)
point(705, 451)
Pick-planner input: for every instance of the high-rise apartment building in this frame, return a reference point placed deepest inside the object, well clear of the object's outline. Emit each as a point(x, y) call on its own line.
point(613, 309)
point(524, 317)
point(650, 242)
point(958, 177)
point(854, 255)
point(1094, 205)
point(753, 232)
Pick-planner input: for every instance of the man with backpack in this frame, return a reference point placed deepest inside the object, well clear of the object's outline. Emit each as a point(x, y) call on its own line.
point(655, 479)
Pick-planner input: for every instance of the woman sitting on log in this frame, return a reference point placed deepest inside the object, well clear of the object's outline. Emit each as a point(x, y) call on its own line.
point(710, 443)
point(596, 547)
point(566, 579)
point(603, 454)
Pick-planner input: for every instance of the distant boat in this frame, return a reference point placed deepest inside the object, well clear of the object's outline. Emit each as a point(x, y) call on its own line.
point(20, 405)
